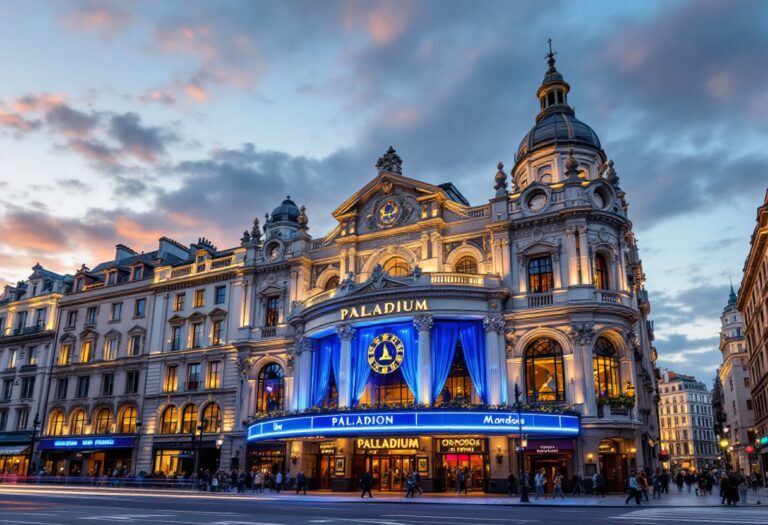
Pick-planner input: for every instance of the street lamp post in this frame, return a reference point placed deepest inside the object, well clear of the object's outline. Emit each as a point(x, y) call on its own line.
point(137, 448)
point(521, 450)
point(35, 428)
point(200, 429)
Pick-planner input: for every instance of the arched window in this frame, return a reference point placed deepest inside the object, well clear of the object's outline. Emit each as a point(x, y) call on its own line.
point(397, 267)
point(544, 376)
point(601, 272)
point(77, 426)
point(169, 421)
point(605, 362)
point(331, 284)
point(458, 386)
point(211, 418)
point(56, 424)
point(271, 388)
point(189, 419)
point(103, 421)
point(466, 264)
point(127, 424)
point(540, 277)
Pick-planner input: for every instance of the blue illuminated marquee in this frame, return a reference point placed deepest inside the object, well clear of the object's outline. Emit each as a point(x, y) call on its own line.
point(415, 422)
point(89, 442)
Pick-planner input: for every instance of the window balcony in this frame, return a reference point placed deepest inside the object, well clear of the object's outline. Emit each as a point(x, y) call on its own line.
point(537, 300)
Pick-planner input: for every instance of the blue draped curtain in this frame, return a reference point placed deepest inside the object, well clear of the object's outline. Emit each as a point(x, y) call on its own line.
point(361, 371)
point(322, 359)
point(443, 342)
point(410, 367)
point(473, 342)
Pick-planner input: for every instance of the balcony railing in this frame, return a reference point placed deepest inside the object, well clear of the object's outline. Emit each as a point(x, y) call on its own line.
point(268, 331)
point(181, 272)
point(537, 300)
point(609, 297)
point(463, 279)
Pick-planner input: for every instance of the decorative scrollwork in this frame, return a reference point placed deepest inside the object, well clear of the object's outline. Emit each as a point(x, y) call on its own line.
point(345, 332)
point(581, 333)
point(423, 323)
point(494, 323)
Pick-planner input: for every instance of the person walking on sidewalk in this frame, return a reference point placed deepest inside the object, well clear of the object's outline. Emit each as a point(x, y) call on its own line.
point(278, 482)
point(633, 489)
point(557, 486)
point(366, 484)
point(576, 483)
point(658, 486)
point(743, 488)
point(511, 484)
point(642, 483)
point(410, 484)
point(540, 480)
point(598, 483)
point(417, 482)
point(679, 480)
point(301, 482)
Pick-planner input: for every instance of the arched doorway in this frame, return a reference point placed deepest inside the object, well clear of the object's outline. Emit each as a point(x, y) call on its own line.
point(613, 464)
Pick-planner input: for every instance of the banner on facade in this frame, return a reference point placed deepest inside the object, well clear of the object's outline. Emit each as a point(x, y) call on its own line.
point(81, 443)
point(415, 422)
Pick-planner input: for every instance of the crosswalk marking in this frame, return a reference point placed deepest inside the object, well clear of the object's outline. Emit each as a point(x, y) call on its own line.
point(739, 515)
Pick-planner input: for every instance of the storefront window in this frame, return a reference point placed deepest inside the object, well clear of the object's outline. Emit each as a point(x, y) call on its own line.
point(189, 419)
point(78, 422)
point(103, 421)
point(544, 375)
point(128, 421)
point(169, 420)
point(212, 418)
point(56, 424)
point(390, 389)
point(606, 366)
point(271, 389)
point(397, 267)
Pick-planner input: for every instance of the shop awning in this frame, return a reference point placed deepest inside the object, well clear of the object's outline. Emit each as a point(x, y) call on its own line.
point(14, 451)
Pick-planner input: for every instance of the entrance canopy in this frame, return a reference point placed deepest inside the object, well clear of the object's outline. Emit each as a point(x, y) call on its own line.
point(14, 451)
point(393, 422)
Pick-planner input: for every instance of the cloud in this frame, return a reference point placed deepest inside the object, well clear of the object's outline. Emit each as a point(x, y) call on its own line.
point(699, 357)
point(146, 143)
point(695, 303)
point(18, 123)
point(71, 122)
point(160, 96)
point(103, 18)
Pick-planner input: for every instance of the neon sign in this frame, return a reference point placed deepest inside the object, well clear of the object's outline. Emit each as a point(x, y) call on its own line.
point(79, 443)
point(415, 422)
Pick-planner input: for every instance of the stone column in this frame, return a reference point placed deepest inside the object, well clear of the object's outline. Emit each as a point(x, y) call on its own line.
point(343, 263)
point(352, 262)
point(302, 377)
point(494, 327)
point(522, 273)
point(581, 339)
point(586, 264)
point(570, 253)
point(345, 333)
point(423, 325)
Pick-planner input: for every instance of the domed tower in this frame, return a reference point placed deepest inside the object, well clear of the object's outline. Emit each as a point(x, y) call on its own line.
point(284, 221)
point(542, 153)
point(732, 328)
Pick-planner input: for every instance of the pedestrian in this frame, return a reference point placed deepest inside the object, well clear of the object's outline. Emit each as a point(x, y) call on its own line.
point(657, 485)
point(633, 489)
point(598, 483)
point(754, 480)
point(301, 482)
point(665, 481)
point(510, 484)
point(410, 485)
point(241, 483)
point(215, 484)
point(278, 482)
point(723, 488)
point(577, 486)
point(679, 480)
point(540, 481)
point(366, 483)
point(642, 483)
point(461, 478)
point(258, 482)
point(743, 488)
point(557, 486)
point(417, 482)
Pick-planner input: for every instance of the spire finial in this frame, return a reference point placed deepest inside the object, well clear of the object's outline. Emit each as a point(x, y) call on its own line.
point(550, 57)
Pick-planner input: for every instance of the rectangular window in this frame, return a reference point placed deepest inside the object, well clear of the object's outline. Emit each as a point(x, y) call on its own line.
point(116, 312)
point(7, 389)
point(22, 416)
point(65, 355)
point(193, 376)
point(176, 338)
point(178, 302)
point(273, 311)
point(132, 382)
point(137, 273)
point(171, 381)
point(746, 382)
point(90, 315)
point(2, 326)
point(33, 356)
point(197, 334)
point(12, 357)
point(749, 404)
point(199, 298)
point(540, 276)
point(71, 318)
point(62, 386)
point(3, 419)
point(138, 308)
point(134, 345)
point(221, 294)
point(40, 318)
point(83, 382)
point(216, 333)
point(213, 375)
point(86, 351)
point(21, 321)
point(112, 278)
point(107, 384)
point(110, 349)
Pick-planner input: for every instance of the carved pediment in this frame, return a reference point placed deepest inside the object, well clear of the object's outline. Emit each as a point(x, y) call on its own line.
point(217, 313)
point(112, 334)
point(137, 330)
point(176, 320)
point(89, 333)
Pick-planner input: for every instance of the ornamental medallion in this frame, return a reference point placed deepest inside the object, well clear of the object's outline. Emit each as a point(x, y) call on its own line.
point(385, 353)
point(389, 212)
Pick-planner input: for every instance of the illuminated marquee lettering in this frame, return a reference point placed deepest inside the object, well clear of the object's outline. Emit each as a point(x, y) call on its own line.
point(390, 307)
point(358, 421)
point(502, 420)
point(388, 443)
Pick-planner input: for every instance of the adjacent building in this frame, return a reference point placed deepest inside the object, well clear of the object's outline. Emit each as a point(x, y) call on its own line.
point(28, 313)
point(687, 427)
point(753, 305)
point(421, 333)
point(735, 385)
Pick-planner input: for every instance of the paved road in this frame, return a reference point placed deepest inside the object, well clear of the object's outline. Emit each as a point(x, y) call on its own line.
point(51, 506)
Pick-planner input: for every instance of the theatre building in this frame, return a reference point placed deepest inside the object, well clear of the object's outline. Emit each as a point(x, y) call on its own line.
point(411, 326)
